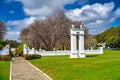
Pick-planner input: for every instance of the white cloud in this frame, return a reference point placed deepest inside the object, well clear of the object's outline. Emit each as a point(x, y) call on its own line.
point(90, 12)
point(117, 12)
point(37, 12)
point(16, 26)
point(95, 16)
point(20, 24)
point(42, 7)
point(12, 35)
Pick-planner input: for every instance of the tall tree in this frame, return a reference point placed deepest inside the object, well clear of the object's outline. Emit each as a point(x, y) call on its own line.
point(48, 33)
point(2, 30)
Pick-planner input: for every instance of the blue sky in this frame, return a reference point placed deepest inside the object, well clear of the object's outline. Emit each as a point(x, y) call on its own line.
point(97, 15)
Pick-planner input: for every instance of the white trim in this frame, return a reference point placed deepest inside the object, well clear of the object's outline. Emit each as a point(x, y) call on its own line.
point(39, 70)
point(10, 77)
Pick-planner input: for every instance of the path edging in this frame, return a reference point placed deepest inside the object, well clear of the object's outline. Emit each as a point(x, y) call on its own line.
point(39, 70)
point(10, 77)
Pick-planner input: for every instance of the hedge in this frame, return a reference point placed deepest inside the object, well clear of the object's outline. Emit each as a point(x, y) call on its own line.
point(31, 56)
point(5, 57)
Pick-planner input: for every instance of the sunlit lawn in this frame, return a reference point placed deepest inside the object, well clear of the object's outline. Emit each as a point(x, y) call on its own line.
point(93, 67)
point(4, 70)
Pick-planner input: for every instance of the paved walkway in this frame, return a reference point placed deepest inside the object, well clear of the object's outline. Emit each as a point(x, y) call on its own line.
point(22, 70)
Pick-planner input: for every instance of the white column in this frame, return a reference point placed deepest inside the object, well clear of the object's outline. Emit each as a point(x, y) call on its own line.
point(74, 53)
point(33, 51)
point(81, 46)
point(73, 44)
point(91, 48)
point(101, 50)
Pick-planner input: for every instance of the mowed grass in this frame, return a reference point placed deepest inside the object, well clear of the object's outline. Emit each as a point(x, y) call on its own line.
point(93, 67)
point(4, 70)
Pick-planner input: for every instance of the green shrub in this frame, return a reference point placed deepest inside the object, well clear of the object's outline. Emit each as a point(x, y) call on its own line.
point(5, 57)
point(31, 56)
point(19, 49)
point(1, 46)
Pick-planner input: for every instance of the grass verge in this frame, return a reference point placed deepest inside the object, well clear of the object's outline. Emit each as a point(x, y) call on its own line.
point(93, 67)
point(4, 70)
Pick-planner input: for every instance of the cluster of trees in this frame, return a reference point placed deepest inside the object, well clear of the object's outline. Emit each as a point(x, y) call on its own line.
point(2, 44)
point(111, 37)
point(13, 43)
point(52, 32)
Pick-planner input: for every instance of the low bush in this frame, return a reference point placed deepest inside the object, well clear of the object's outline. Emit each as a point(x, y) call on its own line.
point(19, 50)
point(5, 57)
point(31, 56)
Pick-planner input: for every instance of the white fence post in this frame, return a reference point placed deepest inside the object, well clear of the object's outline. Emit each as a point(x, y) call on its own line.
point(27, 50)
point(101, 50)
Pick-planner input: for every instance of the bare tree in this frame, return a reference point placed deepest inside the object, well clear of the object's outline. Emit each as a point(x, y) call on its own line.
point(2, 30)
point(90, 41)
point(53, 32)
point(48, 33)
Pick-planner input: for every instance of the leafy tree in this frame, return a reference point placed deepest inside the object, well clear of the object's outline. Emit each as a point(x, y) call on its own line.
point(13, 43)
point(2, 44)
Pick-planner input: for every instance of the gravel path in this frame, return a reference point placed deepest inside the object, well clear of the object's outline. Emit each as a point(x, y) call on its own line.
point(22, 70)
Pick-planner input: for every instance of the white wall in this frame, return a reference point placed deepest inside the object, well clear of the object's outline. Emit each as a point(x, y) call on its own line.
point(68, 52)
point(27, 50)
point(53, 53)
point(5, 50)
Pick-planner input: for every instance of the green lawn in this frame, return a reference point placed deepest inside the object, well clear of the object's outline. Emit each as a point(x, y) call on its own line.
point(93, 67)
point(4, 70)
